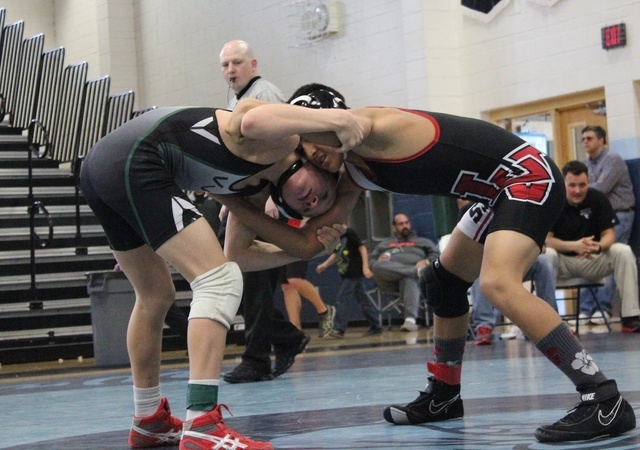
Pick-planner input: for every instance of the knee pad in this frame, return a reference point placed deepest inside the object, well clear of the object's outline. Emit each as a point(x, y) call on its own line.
point(436, 282)
point(217, 294)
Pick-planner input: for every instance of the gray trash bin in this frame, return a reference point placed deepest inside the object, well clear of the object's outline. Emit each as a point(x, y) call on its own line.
point(112, 300)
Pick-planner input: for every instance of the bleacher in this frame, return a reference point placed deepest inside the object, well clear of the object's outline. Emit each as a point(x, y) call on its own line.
point(50, 117)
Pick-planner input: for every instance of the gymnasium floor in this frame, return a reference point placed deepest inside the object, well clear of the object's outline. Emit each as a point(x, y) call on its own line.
point(332, 398)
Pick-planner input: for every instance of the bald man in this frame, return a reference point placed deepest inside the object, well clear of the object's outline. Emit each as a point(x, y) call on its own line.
point(240, 71)
point(266, 328)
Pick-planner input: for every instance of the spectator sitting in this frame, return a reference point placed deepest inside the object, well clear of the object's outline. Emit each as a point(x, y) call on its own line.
point(581, 243)
point(397, 260)
point(353, 265)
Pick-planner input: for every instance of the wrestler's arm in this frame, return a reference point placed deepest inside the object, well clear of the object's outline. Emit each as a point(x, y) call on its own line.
point(240, 246)
point(240, 243)
point(274, 121)
point(388, 133)
point(302, 243)
point(234, 124)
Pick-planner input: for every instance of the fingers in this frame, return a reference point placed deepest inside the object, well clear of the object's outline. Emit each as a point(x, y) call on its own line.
point(328, 237)
point(350, 136)
point(329, 232)
point(340, 227)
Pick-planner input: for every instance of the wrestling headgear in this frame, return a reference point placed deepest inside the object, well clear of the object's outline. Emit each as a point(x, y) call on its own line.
point(276, 193)
point(321, 99)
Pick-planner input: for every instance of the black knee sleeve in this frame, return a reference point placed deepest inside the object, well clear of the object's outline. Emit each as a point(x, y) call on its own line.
point(435, 282)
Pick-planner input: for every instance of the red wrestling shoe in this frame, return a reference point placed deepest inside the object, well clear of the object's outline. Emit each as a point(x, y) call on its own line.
point(209, 431)
point(158, 430)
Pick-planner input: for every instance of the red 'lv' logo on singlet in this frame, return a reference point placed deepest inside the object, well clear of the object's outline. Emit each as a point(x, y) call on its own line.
point(524, 176)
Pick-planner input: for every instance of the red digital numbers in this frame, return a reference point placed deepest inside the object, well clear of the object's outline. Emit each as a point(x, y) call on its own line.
point(614, 36)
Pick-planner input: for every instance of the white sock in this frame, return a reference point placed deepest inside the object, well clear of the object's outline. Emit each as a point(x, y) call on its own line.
point(146, 400)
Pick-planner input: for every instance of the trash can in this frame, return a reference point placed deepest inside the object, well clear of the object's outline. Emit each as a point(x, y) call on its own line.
point(112, 299)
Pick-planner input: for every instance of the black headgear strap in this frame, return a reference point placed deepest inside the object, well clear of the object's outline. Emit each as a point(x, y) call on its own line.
point(321, 99)
point(276, 192)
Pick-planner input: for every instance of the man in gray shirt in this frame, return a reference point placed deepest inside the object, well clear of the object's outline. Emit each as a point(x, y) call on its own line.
point(609, 174)
point(396, 262)
point(266, 329)
point(240, 70)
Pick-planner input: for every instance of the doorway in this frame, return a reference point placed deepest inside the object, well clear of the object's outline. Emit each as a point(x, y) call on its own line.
point(572, 121)
point(561, 119)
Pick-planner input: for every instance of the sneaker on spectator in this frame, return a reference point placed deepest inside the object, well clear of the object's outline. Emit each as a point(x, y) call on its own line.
point(597, 318)
point(631, 324)
point(326, 321)
point(409, 325)
point(372, 332)
point(483, 336)
point(209, 431)
point(582, 317)
point(602, 412)
point(513, 333)
point(157, 430)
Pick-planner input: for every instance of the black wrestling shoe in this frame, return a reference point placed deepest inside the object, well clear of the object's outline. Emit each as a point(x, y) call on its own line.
point(246, 373)
point(439, 401)
point(372, 332)
point(285, 360)
point(602, 412)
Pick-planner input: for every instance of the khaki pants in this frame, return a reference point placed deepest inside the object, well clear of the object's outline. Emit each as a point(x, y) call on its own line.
point(618, 260)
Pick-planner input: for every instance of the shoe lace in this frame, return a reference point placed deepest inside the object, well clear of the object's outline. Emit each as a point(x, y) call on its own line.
point(418, 401)
point(578, 413)
point(236, 436)
point(427, 393)
point(167, 436)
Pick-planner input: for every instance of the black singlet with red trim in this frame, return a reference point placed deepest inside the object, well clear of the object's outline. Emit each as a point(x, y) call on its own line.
point(468, 158)
point(481, 162)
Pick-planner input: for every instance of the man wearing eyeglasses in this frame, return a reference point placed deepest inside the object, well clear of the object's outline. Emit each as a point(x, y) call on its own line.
point(609, 174)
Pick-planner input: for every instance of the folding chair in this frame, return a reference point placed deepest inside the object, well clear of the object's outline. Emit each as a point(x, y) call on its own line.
point(576, 284)
point(385, 298)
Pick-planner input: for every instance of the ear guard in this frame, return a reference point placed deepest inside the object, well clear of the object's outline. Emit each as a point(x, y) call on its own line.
point(276, 192)
point(321, 99)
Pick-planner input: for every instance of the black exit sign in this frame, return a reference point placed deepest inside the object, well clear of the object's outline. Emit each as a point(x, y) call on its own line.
point(614, 36)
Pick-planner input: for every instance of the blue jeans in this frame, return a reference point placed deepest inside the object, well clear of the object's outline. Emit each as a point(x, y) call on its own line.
point(388, 274)
point(605, 293)
point(543, 276)
point(350, 288)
